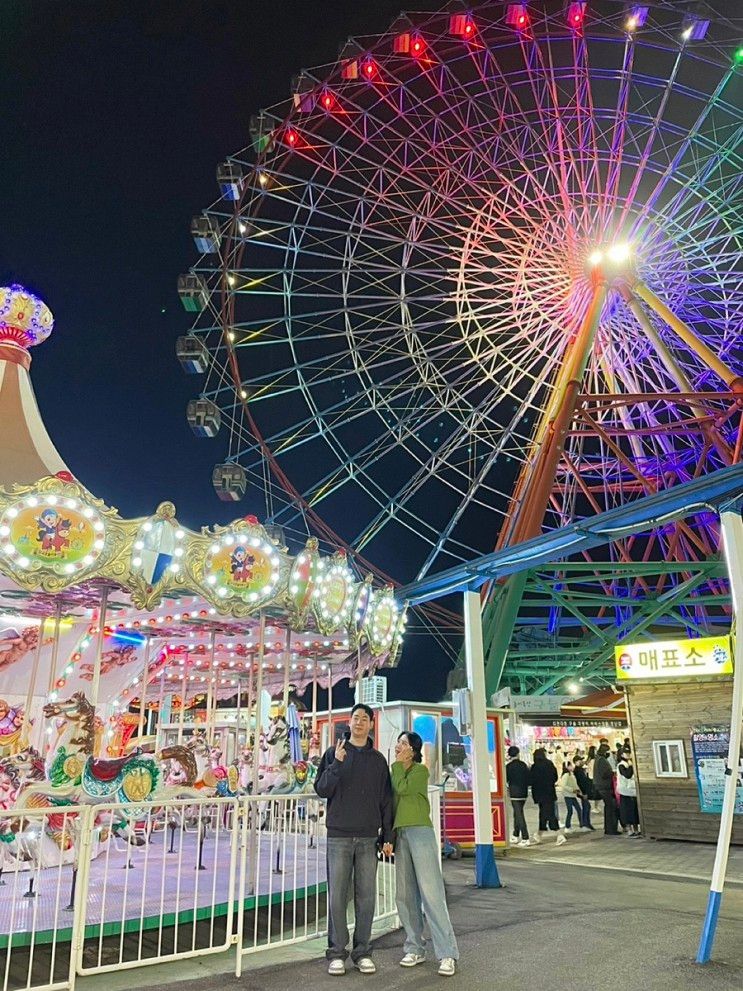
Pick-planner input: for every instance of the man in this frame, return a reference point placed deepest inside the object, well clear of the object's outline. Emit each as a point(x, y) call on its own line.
point(355, 780)
point(517, 779)
point(603, 783)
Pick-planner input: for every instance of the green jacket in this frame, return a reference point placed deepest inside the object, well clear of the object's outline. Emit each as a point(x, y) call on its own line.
point(410, 795)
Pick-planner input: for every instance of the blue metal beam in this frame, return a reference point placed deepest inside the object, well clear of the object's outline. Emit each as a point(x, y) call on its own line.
point(709, 492)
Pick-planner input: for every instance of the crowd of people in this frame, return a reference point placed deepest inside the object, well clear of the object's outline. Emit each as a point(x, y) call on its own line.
point(585, 781)
point(373, 813)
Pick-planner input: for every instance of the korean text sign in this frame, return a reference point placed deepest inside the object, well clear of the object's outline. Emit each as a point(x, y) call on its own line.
point(668, 659)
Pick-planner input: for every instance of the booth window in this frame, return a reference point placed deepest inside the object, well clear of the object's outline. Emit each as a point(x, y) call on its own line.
point(669, 759)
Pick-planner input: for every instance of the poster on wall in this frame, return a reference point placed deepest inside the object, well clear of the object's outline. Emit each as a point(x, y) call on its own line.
point(709, 748)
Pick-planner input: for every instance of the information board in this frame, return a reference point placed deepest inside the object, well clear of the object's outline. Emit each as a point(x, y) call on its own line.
point(709, 748)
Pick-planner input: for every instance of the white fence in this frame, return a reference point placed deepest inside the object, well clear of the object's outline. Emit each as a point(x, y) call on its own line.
point(92, 889)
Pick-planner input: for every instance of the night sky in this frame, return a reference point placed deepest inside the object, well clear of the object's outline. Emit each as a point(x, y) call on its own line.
point(115, 116)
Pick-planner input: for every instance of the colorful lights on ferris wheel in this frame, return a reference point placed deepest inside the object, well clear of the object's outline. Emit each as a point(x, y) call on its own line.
point(517, 16)
point(637, 15)
point(462, 26)
point(576, 14)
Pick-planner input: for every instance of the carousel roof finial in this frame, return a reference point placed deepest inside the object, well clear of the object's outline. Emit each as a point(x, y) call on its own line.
point(26, 452)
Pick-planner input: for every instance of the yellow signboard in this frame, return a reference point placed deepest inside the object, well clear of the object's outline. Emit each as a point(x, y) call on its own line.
point(673, 659)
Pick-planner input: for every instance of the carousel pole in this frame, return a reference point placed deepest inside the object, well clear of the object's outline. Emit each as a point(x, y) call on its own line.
point(182, 713)
point(331, 734)
point(255, 817)
point(55, 648)
point(31, 686)
point(95, 687)
point(287, 662)
point(211, 692)
point(143, 693)
point(314, 695)
point(258, 703)
point(151, 721)
point(251, 661)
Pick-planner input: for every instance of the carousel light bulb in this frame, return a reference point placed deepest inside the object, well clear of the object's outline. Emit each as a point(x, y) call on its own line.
point(9, 549)
point(222, 592)
point(71, 503)
point(32, 501)
point(24, 562)
point(52, 500)
point(137, 561)
point(179, 534)
point(12, 513)
point(69, 569)
point(595, 258)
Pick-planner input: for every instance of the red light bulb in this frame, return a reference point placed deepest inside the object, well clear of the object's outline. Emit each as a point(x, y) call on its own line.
point(327, 102)
point(468, 29)
point(522, 19)
point(291, 137)
point(576, 18)
point(417, 46)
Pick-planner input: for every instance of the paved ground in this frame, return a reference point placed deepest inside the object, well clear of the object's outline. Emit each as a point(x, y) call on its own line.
point(555, 924)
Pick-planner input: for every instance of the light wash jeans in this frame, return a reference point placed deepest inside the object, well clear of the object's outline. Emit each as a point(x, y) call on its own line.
point(352, 861)
point(420, 889)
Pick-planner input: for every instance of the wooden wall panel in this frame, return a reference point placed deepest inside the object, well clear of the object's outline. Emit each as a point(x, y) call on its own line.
point(669, 807)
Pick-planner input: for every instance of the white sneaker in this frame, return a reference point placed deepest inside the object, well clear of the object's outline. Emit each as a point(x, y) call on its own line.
point(448, 967)
point(523, 843)
point(560, 840)
point(535, 841)
point(336, 967)
point(412, 959)
point(365, 965)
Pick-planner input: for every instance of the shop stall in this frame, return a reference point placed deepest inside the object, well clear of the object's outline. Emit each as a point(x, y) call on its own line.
point(679, 696)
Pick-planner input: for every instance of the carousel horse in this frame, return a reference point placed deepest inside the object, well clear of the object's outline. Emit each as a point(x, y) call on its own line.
point(277, 776)
point(74, 774)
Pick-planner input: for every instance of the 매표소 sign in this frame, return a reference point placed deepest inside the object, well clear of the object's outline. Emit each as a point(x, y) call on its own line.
point(664, 659)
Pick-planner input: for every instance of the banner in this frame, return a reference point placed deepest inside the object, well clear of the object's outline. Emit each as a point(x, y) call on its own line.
point(709, 748)
point(668, 659)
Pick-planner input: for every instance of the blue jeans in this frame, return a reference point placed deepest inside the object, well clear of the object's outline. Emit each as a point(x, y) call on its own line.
point(572, 805)
point(351, 860)
point(420, 889)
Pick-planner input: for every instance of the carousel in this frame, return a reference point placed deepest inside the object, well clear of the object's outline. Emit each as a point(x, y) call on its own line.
point(142, 662)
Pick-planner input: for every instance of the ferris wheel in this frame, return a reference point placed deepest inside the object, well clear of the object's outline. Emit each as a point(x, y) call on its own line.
point(403, 266)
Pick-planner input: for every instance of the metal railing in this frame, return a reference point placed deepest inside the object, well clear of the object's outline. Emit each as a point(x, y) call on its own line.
point(37, 911)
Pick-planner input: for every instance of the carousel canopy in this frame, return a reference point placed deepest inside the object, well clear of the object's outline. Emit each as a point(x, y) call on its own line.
point(188, 610)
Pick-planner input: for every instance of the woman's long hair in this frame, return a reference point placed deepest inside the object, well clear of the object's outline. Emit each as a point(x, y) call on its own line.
point(416, 743)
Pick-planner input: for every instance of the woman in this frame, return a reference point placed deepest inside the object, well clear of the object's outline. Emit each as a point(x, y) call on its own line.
point(543, 778)
point(590, 762)
point(420, 884)
point(570, 790)
point(627, 788)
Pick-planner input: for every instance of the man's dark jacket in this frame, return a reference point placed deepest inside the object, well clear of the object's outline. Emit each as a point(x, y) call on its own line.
point(359, 792)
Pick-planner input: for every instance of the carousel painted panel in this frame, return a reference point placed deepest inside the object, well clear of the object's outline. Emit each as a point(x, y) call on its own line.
point(55, 533)
point(334, 597)
point(302, 584)
point(240, 569)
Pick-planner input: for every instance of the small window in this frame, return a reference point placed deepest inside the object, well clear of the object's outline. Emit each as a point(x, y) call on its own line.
point(669, 758)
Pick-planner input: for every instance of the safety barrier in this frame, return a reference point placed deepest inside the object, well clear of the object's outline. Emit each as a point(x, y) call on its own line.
point(284, 875)
point(163, 887)
point(37, 913)
point(90, 889)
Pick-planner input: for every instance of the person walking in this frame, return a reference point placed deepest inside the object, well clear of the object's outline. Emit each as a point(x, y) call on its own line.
point(569, 788)
point(420, 883)
point(603, 780)
point(517, 780)
point(627, 787)
point(355, 780)
point(584, 792)
point(543, 778)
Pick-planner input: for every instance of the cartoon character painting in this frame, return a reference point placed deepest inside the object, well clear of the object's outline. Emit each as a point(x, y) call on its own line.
point(54, 532)
point(241, 565)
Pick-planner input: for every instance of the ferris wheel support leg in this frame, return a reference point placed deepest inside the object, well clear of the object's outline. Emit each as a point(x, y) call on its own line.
point(538, 489)
point(687, 335)
point(486, 870)
point(732, 540)
point(677, 373)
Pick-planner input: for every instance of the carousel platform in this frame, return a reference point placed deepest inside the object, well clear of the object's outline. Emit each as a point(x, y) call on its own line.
point(159, 889)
